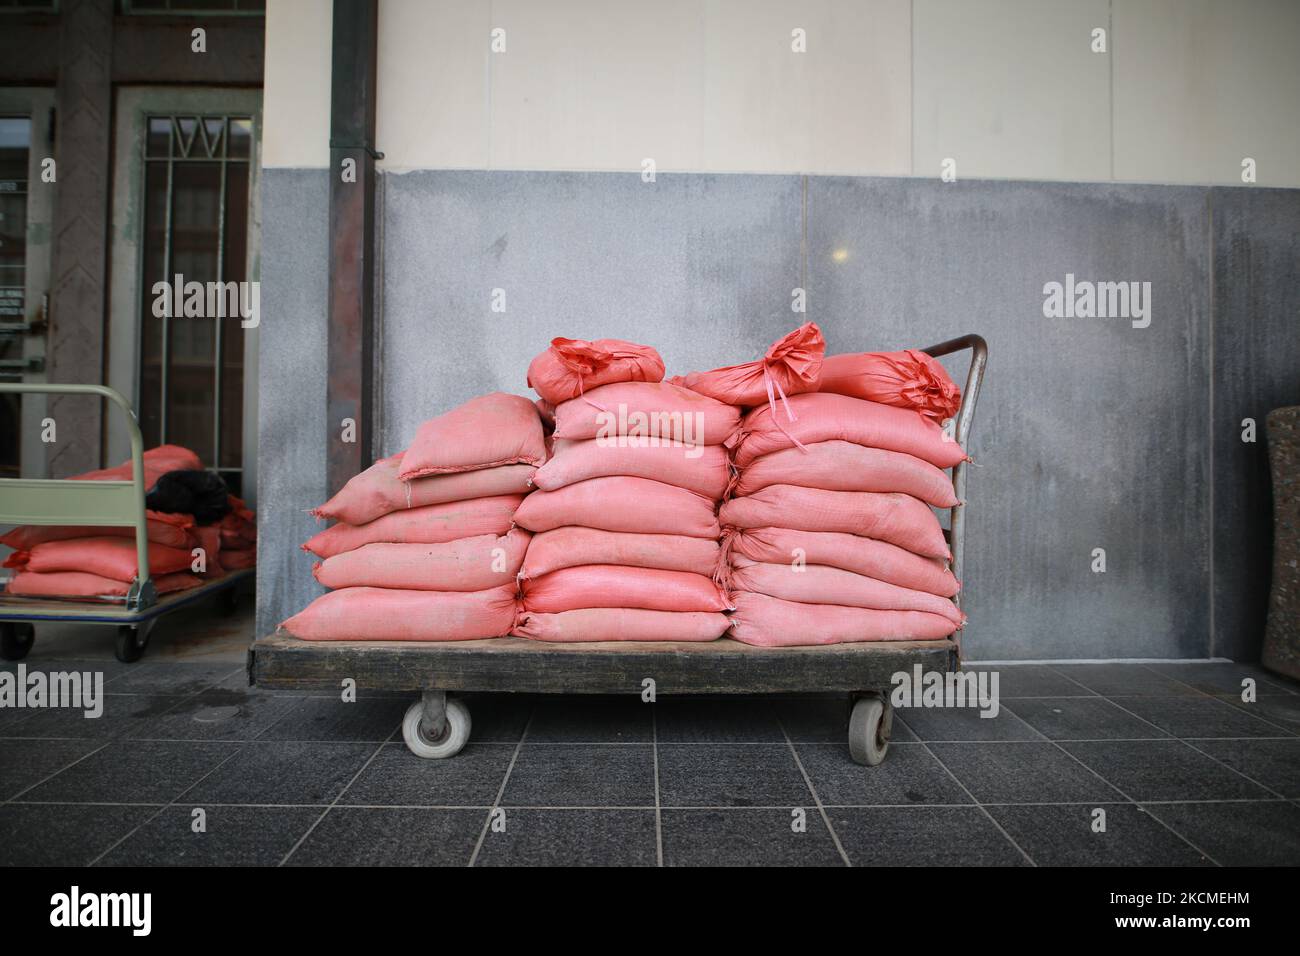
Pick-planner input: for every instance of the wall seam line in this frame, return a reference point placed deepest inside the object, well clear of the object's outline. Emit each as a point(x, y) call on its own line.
point(1209, 242)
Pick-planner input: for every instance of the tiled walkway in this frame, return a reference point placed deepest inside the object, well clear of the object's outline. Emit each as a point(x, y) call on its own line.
point(1185, 772)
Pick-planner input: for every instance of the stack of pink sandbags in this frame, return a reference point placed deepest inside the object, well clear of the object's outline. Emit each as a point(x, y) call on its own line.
point(98, 562)
point(830, 534)
point(424, 547)
point(625, 512)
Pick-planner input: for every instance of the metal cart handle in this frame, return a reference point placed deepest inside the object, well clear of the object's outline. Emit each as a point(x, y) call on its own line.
point(970, 394)
point(111, 504)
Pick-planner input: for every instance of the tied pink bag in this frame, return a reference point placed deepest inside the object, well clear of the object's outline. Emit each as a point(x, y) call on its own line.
point(844, 466)
point(908, 379)
point(570, 546)
point(898, 519)
point(824, 416)
point(81, 584)
point(466, 564)
point(485, 432)
point(378, 491)
point(380, 614)
point(432, 524)
point(770, 622)
point(608, 585)
point(792, 364)
point(819, 584)
point(621, 624)
point(572, 366)
point(107, 557)
point(703, 469)
point(875, 559)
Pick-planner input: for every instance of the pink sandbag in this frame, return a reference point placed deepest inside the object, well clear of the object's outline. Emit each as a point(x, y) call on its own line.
point(572, 367)
point(378, 491)
point(844, 466)
point(819, 584)
point(621, 504)
point(239, 560)
point(770, 622)
point(108, 557)
point(875, 559)
point(907, 379)
point(898, 519)
point(647, 409)
point(208, 538)
point(792, 364)
point(81, 584)
point(703, 469)
point(823, 416)
point(609, 585)
point(467, 564)
point(160, 527)
point(432, 524)
point(570, 546)
point(381, 614)
point(156, 461)
point(485, 432)
point(586, 625)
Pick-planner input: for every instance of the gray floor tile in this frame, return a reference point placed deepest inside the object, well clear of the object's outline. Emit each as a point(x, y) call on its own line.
point(1282, 711)
point(349, 836)
point(134, 771)
point(717, 720)
point(757, 775)
point(234, 836)
point(396, 777)
point(745, 837)
point(27, 762)
point(1238, 834)
point(1032, 680)
point(283, 772)
point(586, 720)
point(1164, 770)
point(1215, 678)
point(1199, 717)
point(62, 834)
point(825, 721)
point(952, 723)
point(122, 716)
point(1022, 773)
point(1065, 836)
point(498, 718)
point(1273, 763)
point(922, 836)
point(571, 838)
point(576, 775)
point(1081, 718)
point(217, 714)
point(1124, 679)
point(910, 774)
point(329, 718)
point(172, 678)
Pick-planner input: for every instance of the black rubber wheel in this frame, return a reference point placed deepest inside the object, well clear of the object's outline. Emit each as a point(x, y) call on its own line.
point(16, 640)
point(132, 641)
point(227, 601)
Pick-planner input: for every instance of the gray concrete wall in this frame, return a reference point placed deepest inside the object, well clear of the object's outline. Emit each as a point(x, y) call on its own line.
point(1090, 433)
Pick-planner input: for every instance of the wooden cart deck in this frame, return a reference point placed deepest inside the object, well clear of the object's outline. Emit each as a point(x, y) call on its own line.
point(513, 664)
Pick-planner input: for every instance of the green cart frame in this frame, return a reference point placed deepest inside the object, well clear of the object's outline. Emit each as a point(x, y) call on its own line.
point(437, 726)
point(105, 504)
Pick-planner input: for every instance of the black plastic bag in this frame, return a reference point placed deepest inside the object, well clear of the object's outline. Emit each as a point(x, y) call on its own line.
point(199, 493)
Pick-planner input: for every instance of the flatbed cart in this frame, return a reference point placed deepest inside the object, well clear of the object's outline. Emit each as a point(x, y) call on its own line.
point(108, 504)
point(438, 726)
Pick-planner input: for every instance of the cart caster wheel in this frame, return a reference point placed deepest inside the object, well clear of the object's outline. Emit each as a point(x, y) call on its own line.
point(870, 724)
point(132, 640)
point(454, 735)
point(16, 640)
point(228, 601)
